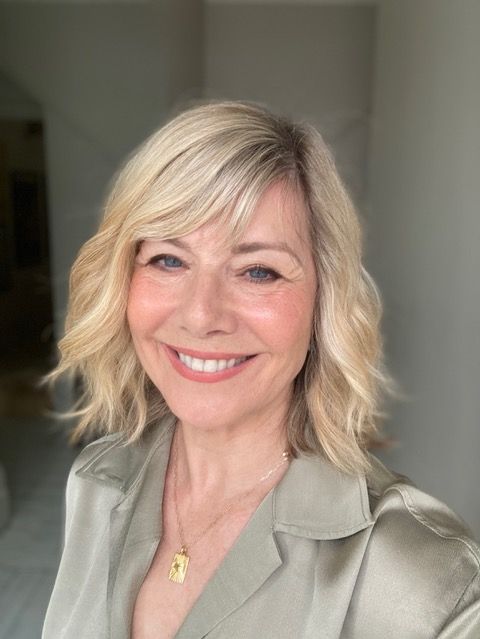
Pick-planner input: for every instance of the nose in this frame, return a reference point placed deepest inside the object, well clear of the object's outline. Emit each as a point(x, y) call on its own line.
point(206, 307)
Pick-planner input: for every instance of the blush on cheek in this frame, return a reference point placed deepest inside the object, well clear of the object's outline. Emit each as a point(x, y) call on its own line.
point(285, 318)
point(147, 304)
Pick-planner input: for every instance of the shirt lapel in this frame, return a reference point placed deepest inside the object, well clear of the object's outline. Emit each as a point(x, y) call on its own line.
point(249, 563)
point(318, 501)
point(313, 500)
point(136, 530)
point(138, 472)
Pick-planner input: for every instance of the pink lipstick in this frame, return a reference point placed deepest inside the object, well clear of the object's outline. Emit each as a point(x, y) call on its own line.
point(207, 377)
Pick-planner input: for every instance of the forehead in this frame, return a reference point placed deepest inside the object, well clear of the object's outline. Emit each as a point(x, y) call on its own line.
point(281, 210)
point(280, 215)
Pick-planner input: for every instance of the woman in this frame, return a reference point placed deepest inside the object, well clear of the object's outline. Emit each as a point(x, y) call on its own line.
point(227, 337)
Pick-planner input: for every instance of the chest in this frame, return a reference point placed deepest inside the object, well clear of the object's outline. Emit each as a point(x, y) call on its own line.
point(162, 605)
point(307, 596)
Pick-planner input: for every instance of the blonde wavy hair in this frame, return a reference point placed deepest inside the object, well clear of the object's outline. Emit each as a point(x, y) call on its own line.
point(214, 161)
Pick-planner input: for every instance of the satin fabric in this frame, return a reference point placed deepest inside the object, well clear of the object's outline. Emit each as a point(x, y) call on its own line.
point(324, 556)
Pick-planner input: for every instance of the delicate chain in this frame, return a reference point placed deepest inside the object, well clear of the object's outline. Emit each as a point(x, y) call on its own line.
point(285, 457)
point(225, 511)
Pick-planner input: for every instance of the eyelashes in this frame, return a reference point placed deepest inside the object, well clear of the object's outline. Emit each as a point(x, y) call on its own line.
point(257, 274)
point(258, 268)
point(157, 259)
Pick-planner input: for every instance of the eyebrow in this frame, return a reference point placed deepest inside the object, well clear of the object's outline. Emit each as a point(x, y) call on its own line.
point(251, 247)
point(248, 247)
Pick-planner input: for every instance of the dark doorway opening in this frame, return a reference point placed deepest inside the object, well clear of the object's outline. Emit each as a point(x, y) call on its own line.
point(26, 318)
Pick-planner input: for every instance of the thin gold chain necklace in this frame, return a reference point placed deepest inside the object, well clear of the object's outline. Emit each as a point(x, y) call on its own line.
point(178, 569)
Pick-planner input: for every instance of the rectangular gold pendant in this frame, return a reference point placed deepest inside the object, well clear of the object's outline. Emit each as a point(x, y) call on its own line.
point(178, 569)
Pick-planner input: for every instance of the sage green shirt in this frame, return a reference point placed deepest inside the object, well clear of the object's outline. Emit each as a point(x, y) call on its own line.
point(325, 555)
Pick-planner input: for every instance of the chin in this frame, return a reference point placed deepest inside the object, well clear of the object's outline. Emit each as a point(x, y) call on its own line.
point(206, 415)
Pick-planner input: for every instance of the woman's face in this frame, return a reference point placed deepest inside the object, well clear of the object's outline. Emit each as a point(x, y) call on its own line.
point(200, 298)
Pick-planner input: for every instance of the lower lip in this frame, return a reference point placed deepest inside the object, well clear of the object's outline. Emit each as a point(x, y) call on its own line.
point(198, 376)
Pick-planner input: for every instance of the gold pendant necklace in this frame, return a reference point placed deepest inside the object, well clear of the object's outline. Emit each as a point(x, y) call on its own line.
point(178, 569)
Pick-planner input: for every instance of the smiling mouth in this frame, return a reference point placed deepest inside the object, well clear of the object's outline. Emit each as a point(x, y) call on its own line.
point(209, 365)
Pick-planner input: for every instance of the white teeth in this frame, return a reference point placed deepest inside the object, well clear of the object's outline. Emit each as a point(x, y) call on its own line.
point(212, 365)
point(209, 365)
point(197, 364)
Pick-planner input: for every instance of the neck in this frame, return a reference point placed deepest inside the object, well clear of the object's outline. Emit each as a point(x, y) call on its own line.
point(224, 462)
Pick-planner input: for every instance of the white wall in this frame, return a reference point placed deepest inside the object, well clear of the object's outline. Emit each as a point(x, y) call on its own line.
point(104, 77)
point(425, 238)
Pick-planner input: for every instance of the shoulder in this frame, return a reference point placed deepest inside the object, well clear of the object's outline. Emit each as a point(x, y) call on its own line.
point(85, 497)
point(112, 462)
point(394, 496)
point(94, 449)
point(420, 552)
point(102, 448)
point(86, 460)
point(84, 564)
point(115, 459)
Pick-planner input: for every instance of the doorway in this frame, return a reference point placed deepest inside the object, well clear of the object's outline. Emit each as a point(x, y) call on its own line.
point(26, 316)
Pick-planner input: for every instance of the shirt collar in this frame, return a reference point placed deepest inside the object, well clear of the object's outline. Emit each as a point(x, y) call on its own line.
point(313, 499)
point(316, 500)
point(120, 465)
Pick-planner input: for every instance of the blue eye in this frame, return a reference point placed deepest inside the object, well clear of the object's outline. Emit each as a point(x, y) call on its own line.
point(167, 261)
point(259, 274)
point(170, 261)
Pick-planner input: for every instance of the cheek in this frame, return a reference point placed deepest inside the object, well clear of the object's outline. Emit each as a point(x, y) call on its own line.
point(286, 319)
point(146, 306)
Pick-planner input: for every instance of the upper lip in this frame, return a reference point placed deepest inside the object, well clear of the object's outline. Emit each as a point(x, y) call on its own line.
point(207, 354)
